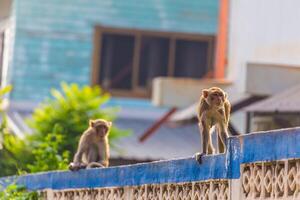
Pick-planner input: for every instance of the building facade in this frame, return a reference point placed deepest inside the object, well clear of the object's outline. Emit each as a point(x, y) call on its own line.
point(121, 45)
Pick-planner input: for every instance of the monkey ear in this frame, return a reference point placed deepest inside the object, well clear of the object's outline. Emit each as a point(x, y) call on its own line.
point(109, 124)
point(91, 123)
point(225, 95)
point(205, 93)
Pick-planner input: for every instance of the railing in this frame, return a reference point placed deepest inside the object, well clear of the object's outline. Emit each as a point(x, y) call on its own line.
point(263, 165)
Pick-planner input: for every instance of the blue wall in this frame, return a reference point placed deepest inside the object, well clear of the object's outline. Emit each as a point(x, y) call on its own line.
point(264, 146)
point(53, 40)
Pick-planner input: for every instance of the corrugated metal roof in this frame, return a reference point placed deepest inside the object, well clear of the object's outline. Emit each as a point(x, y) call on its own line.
point(137, 116)
point(286, 101)
point(165, 143)
point(136, 108)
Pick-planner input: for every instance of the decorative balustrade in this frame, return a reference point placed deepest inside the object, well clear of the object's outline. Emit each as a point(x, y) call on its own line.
point(271, 180)
point(262, 165)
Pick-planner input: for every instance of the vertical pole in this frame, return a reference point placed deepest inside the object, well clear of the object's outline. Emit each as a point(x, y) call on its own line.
point(172, 51)
point(248, 119)
point(97, 43)
point(221, 44)
point(136, 60)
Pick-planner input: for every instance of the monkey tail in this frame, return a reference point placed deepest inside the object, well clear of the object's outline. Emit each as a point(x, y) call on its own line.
point(94, 165)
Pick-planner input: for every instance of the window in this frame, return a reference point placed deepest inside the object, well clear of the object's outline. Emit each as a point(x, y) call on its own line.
point(153, 59)
point(117, 61)
point(128, 60)
point(191, 59)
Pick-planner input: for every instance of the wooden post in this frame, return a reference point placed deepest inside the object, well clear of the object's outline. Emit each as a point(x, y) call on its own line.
point(221, 45)
point(248, 121)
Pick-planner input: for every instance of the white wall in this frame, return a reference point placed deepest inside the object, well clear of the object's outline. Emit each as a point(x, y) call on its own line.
point(262, 31)
point(7, 25)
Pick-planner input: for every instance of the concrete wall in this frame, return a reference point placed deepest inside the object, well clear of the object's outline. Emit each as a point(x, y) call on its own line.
point(269, 79)
point(252, 165)
point(181, 92)
point(262, 32)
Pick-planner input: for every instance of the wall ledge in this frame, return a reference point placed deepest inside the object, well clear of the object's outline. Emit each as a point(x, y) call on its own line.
point(251, 148)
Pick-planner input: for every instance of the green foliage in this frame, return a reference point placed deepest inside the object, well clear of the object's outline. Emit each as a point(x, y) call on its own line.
point(16, 192)
point(46, 154)
point(13, 153)
point(70, 110)
point(58, 124)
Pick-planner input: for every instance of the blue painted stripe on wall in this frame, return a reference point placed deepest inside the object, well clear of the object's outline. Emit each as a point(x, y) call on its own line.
point(271, 145)
point(265, 146)
point(172, 171)
point(234, 154)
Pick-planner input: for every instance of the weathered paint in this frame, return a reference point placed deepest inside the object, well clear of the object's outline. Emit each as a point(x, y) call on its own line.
point(54, 41)
point(172, 171)
point(271, 146)
point(255, 147)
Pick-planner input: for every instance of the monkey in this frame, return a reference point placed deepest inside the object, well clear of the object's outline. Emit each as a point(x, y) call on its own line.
point(93, 147)
point(213, 112)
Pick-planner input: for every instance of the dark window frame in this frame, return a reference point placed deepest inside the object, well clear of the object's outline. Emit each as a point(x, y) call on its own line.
point(138, 34)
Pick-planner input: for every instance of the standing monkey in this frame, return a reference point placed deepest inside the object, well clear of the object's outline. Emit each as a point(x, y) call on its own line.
point(213, 110)
point(93, 147)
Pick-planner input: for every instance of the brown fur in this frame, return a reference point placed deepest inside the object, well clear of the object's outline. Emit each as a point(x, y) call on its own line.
point(93, 147)
point(213, 110)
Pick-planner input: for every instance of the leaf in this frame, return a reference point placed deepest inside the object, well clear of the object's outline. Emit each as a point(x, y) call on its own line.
point(59, 122)
point(5, 90)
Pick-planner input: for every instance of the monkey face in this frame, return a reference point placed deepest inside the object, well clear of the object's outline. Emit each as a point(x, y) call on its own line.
point(214, 97)
point(102, 126)
point(102, 130)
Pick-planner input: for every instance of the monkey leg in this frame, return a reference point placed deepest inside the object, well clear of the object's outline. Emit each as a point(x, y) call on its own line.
point(105, 163)
point(222, 138)
point(92, 154)
point(207, 147)
point(206, 141)
point(221, 144)
point(210, 147)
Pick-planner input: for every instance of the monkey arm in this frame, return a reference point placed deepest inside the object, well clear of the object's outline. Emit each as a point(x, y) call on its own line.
point(106, 155)
point(78, 155)
point(77, 161)
point(103, 149)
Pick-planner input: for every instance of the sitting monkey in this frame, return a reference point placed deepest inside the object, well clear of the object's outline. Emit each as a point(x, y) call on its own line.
point(93, 147)
point(213, 110)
